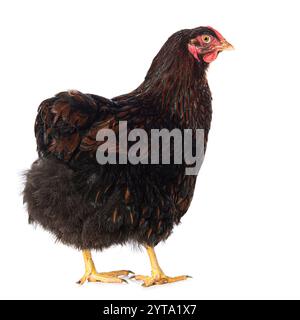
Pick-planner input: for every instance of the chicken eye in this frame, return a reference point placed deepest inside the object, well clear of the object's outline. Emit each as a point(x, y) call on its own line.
point(206, 38)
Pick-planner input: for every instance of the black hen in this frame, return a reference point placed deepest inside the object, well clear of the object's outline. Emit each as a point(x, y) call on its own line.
point(92, 206)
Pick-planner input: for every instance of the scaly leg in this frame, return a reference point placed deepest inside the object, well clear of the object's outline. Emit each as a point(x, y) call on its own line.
point(92, 275)
point(157, 275)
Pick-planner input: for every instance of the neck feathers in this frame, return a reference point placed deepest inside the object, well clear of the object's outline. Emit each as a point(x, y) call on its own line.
point(176, 85)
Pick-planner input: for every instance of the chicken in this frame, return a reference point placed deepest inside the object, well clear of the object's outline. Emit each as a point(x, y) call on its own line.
point(93, 206)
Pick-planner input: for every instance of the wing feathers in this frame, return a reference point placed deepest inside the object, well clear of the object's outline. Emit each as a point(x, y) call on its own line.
point(62, 122)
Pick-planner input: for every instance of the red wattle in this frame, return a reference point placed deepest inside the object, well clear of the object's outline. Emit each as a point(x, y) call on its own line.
point(209, 57)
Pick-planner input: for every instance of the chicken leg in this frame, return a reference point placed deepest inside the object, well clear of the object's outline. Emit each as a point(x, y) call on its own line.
point(157, 275)
point(92, 275)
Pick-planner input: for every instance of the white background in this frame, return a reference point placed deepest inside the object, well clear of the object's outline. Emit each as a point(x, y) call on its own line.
point(240, 238)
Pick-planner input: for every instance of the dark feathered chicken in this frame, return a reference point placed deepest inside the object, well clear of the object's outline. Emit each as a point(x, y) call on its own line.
point(92, 206)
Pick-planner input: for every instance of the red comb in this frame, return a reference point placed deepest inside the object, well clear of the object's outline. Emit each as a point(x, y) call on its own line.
point(217, 33)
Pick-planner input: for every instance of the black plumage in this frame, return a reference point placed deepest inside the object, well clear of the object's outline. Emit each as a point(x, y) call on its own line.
point(92, 206)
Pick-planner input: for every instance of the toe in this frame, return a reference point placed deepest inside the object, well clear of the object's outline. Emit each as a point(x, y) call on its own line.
point(139, 277)
point(147, 281)
point(83, 279)
point(175, 279)
point(99, 277)
point(118, 273)
point(158, 280)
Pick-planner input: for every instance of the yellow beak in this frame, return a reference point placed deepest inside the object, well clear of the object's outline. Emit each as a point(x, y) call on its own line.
point(225, 45)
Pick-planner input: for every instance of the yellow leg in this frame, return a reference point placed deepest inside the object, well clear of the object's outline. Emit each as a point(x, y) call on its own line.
point(157, 275)
point(92, 275)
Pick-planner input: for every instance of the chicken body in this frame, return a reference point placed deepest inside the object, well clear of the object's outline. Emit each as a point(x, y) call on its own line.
point(92, 206)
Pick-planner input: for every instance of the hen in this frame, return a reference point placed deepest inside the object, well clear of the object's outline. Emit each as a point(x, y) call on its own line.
point(93, 206)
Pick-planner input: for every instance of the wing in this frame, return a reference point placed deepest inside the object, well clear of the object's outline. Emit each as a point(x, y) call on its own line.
point(63, 121)
point(136, 113)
